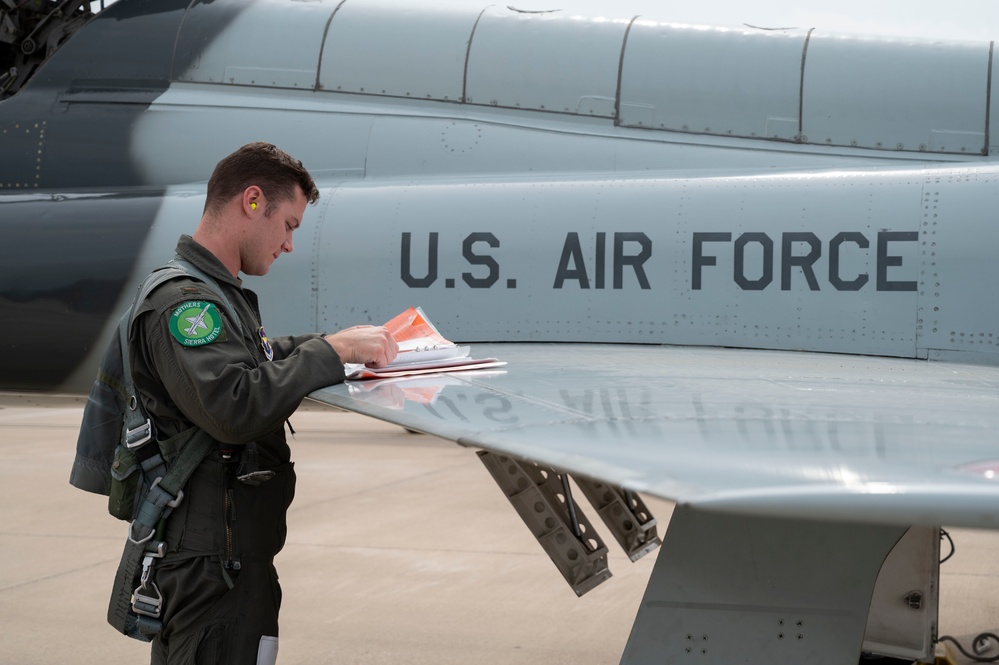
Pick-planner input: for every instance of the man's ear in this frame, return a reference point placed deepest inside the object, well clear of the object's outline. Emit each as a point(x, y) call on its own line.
point(252, 200)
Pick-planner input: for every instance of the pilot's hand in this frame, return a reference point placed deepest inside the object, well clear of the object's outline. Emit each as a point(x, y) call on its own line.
point(371, 345)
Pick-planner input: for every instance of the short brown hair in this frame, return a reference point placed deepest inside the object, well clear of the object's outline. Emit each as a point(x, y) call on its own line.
point(268, 167)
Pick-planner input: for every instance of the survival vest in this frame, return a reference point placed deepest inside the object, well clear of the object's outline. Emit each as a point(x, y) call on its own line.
point(113, 416)
point(118, 455)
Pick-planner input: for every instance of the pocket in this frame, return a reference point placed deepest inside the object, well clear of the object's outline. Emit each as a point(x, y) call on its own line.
point(262, 510)
point(126, 476)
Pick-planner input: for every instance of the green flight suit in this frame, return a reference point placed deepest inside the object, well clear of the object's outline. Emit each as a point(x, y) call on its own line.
point(221, 594)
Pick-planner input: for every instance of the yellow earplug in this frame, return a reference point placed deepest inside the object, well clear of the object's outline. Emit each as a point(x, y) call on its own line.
point(253, 206)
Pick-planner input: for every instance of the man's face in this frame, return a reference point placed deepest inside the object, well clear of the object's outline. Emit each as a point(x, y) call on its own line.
point(270, 235)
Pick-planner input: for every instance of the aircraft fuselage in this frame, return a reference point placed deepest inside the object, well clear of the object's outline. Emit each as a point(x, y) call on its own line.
point(585, 193)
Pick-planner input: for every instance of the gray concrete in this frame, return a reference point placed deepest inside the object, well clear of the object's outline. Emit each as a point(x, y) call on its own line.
point(401, 550)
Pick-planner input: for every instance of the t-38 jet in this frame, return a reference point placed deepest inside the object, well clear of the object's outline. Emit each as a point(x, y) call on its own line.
point(747, 266)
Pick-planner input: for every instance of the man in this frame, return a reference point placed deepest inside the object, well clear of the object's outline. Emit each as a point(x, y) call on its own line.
point(194, 366)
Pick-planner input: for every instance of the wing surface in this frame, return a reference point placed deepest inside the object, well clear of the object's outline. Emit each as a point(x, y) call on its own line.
point(817, 436)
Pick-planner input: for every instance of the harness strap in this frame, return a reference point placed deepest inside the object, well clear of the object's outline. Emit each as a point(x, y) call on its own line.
point(134, 610)
point(138, 429)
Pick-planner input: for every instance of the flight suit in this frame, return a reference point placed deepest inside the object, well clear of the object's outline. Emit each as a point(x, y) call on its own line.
point(220, 589)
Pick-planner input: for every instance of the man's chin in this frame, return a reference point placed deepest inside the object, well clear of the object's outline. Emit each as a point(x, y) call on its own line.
point(256, 271)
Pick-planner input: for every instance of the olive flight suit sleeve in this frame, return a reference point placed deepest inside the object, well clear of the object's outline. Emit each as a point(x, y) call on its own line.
point(284, 346)
point(225, 385)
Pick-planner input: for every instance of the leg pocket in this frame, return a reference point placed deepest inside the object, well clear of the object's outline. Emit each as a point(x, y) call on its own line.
point(211, 645)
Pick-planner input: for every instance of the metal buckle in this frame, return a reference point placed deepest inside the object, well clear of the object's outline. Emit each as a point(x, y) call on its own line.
point(147, 605)
point(177, 499)
point(143, 432)
point(156, 548)
point(143, 603)
point(132, 539)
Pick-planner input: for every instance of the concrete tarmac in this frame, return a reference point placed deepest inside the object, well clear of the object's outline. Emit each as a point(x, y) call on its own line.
point(401, 549)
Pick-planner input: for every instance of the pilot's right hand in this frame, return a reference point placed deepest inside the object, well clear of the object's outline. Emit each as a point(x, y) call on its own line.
point(370, 345)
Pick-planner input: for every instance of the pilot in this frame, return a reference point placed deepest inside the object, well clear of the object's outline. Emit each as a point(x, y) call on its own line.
point(195, 365)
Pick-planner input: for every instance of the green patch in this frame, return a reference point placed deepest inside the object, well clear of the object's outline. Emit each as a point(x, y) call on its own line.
point(196, 323)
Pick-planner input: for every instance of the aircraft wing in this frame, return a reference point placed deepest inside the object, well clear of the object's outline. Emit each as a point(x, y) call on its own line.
point(809, 486)
point(768, 433)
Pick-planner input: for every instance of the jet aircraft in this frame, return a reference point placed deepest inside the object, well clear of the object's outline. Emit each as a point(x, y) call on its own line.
point(742, 265)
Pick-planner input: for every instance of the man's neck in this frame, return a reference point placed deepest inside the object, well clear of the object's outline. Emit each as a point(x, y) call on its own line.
point(224, 250)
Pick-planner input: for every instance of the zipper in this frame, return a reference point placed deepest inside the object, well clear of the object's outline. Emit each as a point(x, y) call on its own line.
point(230, 560)
point(231, 563)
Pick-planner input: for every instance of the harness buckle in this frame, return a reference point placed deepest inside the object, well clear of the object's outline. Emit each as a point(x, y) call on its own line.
point(156, 548)
point(176, 501)
point(139, 436)
point(147, 598)
point(140, 541)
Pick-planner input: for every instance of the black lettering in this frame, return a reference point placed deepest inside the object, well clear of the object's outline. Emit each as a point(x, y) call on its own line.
point(885, 261)
point(835, 279)
point(699, 260)
point(788, 260)
point(572, 251)
point(407, 273)
point(636, 261)
point(739, 273)
point(480, 260)
point(601, 259)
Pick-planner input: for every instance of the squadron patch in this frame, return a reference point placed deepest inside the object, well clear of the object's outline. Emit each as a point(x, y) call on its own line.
point(196, 323)
point(265, 344)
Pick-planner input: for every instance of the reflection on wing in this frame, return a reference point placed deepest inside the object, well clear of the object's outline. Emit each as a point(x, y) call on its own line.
point(816, 436)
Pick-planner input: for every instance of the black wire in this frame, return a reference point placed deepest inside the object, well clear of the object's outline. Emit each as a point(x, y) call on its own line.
point(944, 534)
point(981, 637)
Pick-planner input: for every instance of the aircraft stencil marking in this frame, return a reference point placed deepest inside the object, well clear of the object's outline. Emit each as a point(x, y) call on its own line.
point(571, 251)
point(753, 260)
point(806, 262)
